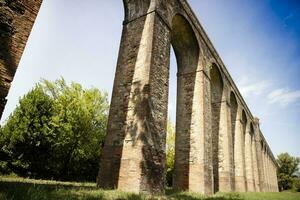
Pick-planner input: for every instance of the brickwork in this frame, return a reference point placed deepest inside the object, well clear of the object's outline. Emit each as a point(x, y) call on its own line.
point(16, 21)
point(239, 153)
point(248, 158)
point(219, 146)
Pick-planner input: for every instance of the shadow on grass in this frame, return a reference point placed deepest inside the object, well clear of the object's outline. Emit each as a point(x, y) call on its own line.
point(194, 196)
point(15, 190)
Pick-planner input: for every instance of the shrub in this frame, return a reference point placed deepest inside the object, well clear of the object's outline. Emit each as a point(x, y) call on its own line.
point(56, 132)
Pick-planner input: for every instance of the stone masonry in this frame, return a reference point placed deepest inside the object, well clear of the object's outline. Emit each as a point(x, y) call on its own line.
point(16, 21)
point(219, 145)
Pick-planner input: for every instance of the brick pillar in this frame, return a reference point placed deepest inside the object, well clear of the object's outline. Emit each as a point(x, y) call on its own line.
point(256, 151)
point(133, 157)
point(255, 165)
point(193, 164)
point(248, 157)
point(276, 180)
point(225, 144)
point(269, 173)
point(239, 155)
point(193, 160)
point(16, 20)
point(265, 170)
point(259, 159)
point(262, 187)
point(273, 177)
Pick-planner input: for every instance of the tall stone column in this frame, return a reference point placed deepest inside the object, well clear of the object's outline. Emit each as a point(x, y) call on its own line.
point(260, 165)
point(193, 145)
point(193, 161)
point(263, 187)
point(255, 165)
point(16, 19)
point(273, 177)
point(239, 155)
point(268, 171)
point(276, 180)
point(225, 144)
point(258, 143)
point(265, 170)
point(133, 157)
point(271, 173)
point(248, 157)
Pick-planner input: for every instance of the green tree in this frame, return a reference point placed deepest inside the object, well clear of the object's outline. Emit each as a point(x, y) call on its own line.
point(297, 184)
point(288, 166)
point(170, 151)
point(57, 132)
point(27, 136)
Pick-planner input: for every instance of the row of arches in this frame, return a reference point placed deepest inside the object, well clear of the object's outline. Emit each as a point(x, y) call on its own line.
point(238, 161)
point(235, 164)
point(216, 141)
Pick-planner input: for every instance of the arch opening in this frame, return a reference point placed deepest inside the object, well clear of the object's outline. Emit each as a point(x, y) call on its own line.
point(185, 44)
point(186, 50)
point(216, 100)
point(244, 125)
point(233, 114)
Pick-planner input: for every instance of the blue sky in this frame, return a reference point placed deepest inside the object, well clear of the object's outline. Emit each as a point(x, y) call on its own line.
point(258, 40)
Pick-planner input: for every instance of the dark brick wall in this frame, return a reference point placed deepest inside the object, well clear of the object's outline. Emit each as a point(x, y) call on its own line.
point(16, 21)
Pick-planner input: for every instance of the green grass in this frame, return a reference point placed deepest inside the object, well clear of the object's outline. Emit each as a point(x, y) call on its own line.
point(14, 188)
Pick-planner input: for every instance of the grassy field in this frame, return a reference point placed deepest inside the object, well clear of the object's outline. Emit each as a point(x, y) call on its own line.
point(22, 189)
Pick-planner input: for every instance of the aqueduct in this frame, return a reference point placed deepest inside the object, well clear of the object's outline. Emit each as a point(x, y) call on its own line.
point(219, 145)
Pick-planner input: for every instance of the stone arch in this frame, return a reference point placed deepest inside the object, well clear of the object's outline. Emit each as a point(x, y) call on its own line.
point(251, 128)
point(185, 44)
point(186, 48)
point(244, 121)
point(239, 150)
point(252, 132)
point(244, 117)
point(233, 115)
point(216, 85)
point(249, 157)
point(133, 157)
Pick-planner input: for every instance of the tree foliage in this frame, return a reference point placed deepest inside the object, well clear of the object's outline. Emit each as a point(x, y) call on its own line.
point(170, 145)
point(288, 166)
point(56, 132)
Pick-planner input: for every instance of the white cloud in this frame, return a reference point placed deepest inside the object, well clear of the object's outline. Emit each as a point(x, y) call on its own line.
point(255, 88)
point(284, 96)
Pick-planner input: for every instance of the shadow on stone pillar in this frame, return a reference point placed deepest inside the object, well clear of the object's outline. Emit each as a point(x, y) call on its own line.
point(248, 157)
point(133, 157)
point(225, 145)
point(239, 153)
point(192, 167)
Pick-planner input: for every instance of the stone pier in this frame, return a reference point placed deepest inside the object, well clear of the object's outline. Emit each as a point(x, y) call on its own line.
point(219, 145)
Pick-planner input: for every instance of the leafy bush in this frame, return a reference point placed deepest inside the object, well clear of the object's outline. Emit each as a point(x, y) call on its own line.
point(288, 166)
point(170, 153)
point(56, 132)
point(297, 184)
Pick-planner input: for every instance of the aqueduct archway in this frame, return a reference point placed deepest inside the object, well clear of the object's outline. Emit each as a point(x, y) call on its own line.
point(219, 146)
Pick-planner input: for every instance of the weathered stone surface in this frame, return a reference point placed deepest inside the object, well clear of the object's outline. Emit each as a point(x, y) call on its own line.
point(16, 21)
point(219, 146)
point(239, 153)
